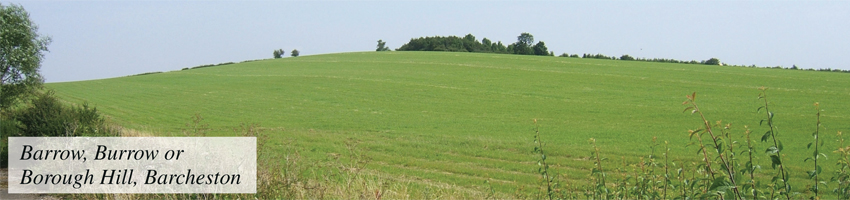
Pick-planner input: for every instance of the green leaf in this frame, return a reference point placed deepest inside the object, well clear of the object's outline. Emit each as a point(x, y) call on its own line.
point(772, 150)
point(720, 184)
point(759, 109)
point(774, 159)
point(720, 148)
point(809, 146)
point(765, 136)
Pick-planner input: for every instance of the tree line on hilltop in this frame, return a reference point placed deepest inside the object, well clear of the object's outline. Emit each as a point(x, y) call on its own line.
point(523, 46)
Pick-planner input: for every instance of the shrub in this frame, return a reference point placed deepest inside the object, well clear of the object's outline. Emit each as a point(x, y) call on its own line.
point(8, 126)
point(46, 116)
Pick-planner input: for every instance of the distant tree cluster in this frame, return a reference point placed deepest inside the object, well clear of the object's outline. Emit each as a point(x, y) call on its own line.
point(568, 55)
point(711, 61)
point(279, 53)
point(524, 45)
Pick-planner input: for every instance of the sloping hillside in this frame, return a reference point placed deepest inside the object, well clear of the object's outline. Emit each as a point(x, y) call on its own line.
point(462, 118)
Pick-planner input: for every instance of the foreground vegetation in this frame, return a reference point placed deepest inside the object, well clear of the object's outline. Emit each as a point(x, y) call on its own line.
point(461, 124)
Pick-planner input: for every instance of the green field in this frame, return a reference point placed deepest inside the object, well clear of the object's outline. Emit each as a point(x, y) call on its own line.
point(457, 119)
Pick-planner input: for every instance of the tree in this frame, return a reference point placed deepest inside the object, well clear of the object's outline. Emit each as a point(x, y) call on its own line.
point(469, 38)
point(278, 53)
point(523, 44)
point(295, 53)
point(627, 57)
point(712, 61)
point(525, 39)
point(486, 42)
point(21, 51)
point(382, 46)
point(540, 49)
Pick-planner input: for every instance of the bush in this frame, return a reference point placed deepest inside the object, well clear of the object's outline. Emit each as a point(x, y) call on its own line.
point(46, 116)
point(8, 127)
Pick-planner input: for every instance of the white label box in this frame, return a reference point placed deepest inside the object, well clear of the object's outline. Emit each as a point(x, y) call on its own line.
point(132, 165)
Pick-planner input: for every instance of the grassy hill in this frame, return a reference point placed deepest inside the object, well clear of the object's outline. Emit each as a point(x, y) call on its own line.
point(454, 120)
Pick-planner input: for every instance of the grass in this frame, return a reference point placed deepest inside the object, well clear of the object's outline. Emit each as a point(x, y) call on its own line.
point(456, 120)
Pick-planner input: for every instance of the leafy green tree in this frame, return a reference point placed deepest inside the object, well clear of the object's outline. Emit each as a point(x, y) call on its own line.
point(295, 53)
point(21, 51)
point(469, 38)
point(487, 43)
point(712, 61)
point(498, 47)
point(525, 39)
point(278, 53)
point(523, 44)
point(382, 46)
point(627, 57)
point(540, 49)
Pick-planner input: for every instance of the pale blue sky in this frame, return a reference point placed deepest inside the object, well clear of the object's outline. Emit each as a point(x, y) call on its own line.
point(103, 39)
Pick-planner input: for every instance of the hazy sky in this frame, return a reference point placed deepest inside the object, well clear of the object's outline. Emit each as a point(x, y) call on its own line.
point(103, 39)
